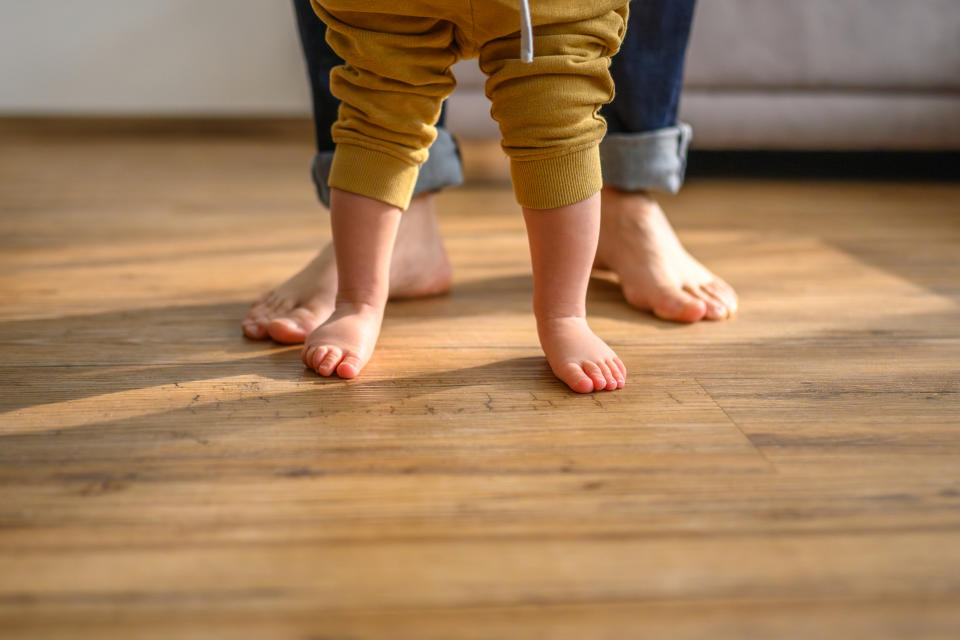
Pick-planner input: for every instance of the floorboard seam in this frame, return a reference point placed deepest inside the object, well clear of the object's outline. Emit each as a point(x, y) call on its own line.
point(737, 426)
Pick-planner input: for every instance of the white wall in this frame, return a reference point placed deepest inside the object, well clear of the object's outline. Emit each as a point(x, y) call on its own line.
point(164, 57)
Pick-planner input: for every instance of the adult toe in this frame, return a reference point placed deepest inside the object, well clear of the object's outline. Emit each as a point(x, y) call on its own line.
point(254, 330)
point(293, 328)
point(716, 308)
point(678, 305)
point(724, 292)
point(286, 331)
point(255, 324)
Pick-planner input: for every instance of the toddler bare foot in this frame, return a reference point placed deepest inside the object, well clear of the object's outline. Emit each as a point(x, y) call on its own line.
point(344, 343)
point(419, 268)
point(563, 243)
point(578, 357)
point(656, 273)
point(364, 233)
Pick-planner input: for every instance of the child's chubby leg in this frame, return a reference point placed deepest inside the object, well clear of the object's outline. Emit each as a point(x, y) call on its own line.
point(395, 76)
point(548, 112)
point(563, 243)
point(364, 231)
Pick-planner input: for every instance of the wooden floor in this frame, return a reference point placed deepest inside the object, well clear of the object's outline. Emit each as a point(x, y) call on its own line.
point(794, 473)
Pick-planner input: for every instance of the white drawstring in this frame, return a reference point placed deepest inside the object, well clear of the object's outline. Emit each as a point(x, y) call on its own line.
point(526, 32)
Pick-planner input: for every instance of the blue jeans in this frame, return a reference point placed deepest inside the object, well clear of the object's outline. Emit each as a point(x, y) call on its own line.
point(645, 147)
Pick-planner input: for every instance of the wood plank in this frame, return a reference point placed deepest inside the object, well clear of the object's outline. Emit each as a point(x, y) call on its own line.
point(792, 473)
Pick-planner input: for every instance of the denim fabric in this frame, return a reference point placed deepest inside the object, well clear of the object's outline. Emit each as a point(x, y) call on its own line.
point(646, 148)
point(652, 160)
point(648, 71)
point(442, 168)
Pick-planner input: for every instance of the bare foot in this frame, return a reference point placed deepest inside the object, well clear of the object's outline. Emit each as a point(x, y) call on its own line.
point(344, 343)
point(364, 235)
point(298, 306)
point(578, 357)
point(563, 242)
point(419, 268)
point(656, 273)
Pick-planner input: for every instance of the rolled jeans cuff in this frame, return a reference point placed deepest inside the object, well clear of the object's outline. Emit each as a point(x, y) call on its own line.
point(653, 160)
point(442, 169)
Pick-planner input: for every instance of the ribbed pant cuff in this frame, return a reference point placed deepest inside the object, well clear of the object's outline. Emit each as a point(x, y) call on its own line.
point(557, 182)
point(442, 169)
point(654, 160)
point(373, 174)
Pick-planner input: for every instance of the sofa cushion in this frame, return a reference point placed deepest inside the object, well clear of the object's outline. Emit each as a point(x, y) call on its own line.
point(823, 44)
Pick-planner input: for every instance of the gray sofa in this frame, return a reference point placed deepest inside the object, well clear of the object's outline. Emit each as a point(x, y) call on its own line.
point(805, 75)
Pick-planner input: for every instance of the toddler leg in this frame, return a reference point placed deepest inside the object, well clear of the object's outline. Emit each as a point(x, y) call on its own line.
point(563, 242)
point(364, 231)
point(548, 115)
point(395, 75)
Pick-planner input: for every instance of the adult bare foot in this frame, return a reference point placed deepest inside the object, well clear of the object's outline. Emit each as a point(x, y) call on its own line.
point(419, 268)
point(656, 273)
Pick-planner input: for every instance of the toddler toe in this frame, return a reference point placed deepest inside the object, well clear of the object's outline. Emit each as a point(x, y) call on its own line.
point(329, 361)
point(306, 355)
point(596, 374)
point(610, 383)
point(573, 376)
point(318, 357)
point(622, 367)
point(350, 366)
point(617, 371)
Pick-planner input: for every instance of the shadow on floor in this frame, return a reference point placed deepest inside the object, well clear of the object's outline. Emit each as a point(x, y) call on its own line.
point(74, 357)
point(391, 407)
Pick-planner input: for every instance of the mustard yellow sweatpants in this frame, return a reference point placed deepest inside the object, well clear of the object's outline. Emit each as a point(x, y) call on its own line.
point(398, 55)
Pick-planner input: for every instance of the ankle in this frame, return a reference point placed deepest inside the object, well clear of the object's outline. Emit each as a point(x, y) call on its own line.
point(616, 192)
point(617, 204)
point(350, 306)
point(547, 320)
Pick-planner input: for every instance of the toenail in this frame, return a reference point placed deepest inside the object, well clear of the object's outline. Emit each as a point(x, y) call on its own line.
point(674, 305)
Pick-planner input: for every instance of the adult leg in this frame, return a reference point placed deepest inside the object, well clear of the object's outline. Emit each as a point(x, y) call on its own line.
point(645, 150)
point(419, 265)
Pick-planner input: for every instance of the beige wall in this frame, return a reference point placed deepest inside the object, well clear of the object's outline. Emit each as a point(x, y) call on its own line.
point(782, 74)
point(131, 56)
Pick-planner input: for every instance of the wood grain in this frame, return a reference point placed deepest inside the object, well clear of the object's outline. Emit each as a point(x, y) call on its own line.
point(792, 473)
